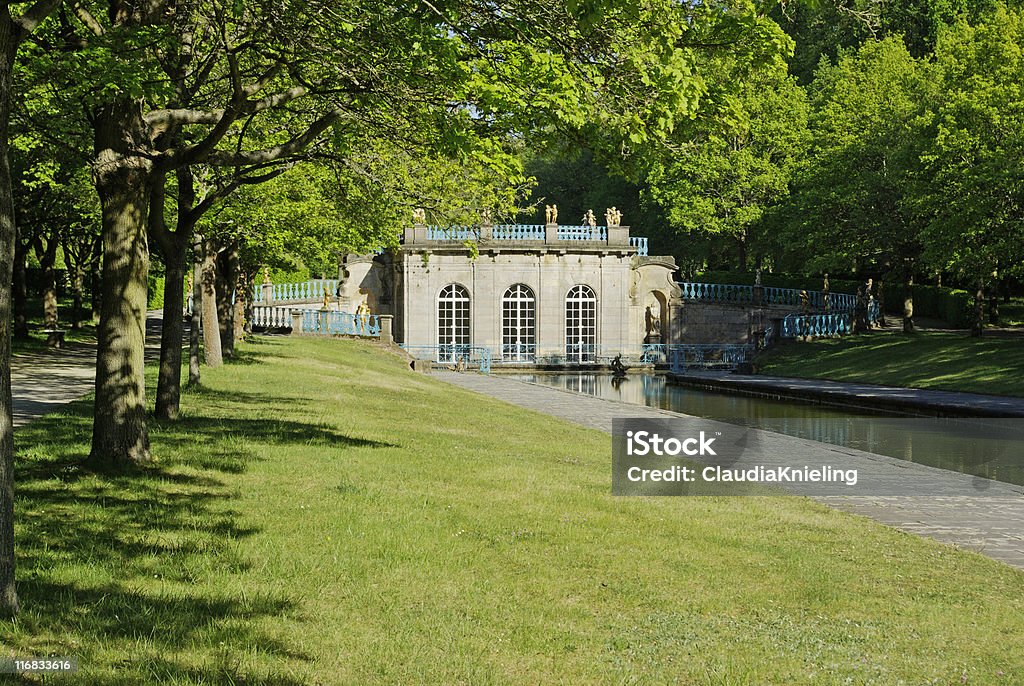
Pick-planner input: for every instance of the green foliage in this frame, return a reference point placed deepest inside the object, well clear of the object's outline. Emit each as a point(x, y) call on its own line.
point(852, 194)
point(719, 183)
point(971, 190)
point(287, 276)
point(155, 292)
point(577, 180)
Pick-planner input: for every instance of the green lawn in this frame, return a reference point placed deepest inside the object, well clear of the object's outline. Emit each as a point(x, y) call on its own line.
point(1012, 313)
point(323, 516)
point(951, 361)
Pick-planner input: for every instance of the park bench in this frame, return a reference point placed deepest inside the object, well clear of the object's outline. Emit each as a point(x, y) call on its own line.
point(54, 337)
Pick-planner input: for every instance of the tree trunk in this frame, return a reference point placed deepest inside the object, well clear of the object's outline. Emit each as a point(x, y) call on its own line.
point(743, 251)
point(908, 304)
point(243, 305)
point(195, 325)
point(881, 304)
point(20, 292)
point(47, 260)
point(96, 285)
point(168, 389)
point(120, 436)
point(8, 236)
point(978, 322)
point(227, 281)
point(77, 296)
point(211, 327)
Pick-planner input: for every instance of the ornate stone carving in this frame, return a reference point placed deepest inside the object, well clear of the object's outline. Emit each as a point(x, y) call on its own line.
point(589, 219)
point(419, 216)
point(551, 214)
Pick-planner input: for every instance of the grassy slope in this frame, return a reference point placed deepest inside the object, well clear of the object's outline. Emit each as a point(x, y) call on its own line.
point(952, 361)
point(321, 515)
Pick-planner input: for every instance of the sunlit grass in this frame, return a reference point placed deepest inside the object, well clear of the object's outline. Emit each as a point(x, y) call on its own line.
point(951, 361)
point(321, 515)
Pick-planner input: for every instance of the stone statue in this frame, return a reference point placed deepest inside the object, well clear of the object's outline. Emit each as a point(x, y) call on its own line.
point(362, 316)
point(618, 369)
point(589, 219)
point(419, 216)
point(266, 276)
point(653, 324)
point(757, 277)
point(827, 296)
point(613, 217)
point(485, 216)
point(327, 300)
point(551, 214)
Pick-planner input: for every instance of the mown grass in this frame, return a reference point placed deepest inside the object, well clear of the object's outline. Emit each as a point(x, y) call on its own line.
point(1012, 313)
point(323, 516)
point(951, 361)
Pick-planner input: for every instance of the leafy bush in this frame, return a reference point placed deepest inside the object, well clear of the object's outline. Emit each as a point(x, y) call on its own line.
point(155, 292)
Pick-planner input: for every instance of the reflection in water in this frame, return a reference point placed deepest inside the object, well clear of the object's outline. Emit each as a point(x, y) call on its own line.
point(993, 448)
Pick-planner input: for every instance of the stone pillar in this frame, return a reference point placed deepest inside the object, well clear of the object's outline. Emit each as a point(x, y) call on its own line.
point(486, 231)
point(387, 336)
point(417, 233)
point(551, 233)
point(618, 236)
point(296, 322)
point(268, 293)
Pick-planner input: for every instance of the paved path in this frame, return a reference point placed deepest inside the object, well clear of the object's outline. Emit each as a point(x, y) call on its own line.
point(41, 382)
point(991, 524)
point(912, 400)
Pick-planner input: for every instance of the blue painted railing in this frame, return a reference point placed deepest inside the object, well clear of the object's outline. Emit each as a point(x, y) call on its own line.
point(468, 355)
point(340, 324)
point(518, 232)
point(708, 356)
point(271, 317)
point(743, 294)
point(518, 352)
point(640, 243)
point(582, 233)
point(815, 325)
point(297, 292)
point(452, 233)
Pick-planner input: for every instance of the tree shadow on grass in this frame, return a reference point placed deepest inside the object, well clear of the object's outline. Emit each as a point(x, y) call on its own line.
point(142, 573)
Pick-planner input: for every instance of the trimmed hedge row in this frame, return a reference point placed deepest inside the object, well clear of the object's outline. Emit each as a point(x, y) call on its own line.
point(951, 305)
point(155, 292)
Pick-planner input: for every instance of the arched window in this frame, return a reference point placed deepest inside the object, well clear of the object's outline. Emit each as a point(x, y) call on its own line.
point(580, 324)
point(518, 324)
point(452, 323)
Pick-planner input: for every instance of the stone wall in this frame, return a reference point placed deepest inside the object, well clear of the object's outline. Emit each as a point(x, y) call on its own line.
point(702, 322)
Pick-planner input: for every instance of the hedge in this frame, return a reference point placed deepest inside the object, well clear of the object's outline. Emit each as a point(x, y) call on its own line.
point(155, 292)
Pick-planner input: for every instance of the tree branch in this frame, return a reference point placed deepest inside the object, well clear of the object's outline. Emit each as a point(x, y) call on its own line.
point(86, 18)
point(277, 152)
point(33, 16)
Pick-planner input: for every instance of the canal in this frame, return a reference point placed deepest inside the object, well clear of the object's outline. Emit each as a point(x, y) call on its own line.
point(992, 448)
